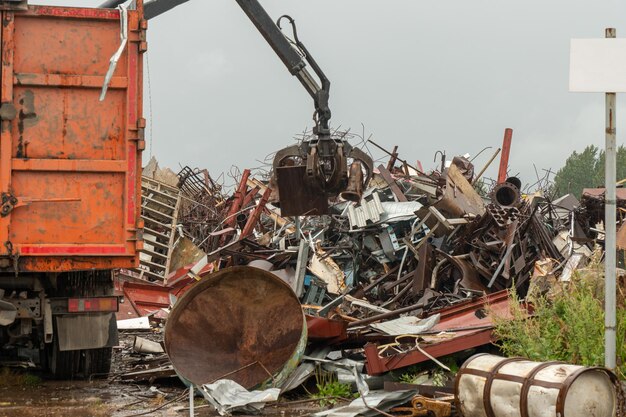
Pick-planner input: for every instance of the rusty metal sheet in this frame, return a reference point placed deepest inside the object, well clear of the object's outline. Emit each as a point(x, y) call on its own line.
point(242, 323)
point(70, 161)
point(325, 329)
point(298, 196)
point(598, 193)
point(470, 324)
point(459, 197)
point(621, 237)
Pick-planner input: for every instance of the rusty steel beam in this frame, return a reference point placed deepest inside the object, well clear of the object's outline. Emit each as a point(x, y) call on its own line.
point(393, 159)
point(255, 215)
point(377, 365)
point(238, 198)
point(392, 183)
point(461, 319)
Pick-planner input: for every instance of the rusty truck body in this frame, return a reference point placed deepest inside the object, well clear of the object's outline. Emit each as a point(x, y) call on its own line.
point(70, 171)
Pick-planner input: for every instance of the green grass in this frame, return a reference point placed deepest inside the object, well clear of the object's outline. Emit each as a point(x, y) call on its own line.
point(421, 373)
point(13, 378)
point(566, 325)
point(329, 389)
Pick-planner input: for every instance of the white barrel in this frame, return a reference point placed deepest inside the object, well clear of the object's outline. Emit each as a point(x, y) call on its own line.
point(493, 386)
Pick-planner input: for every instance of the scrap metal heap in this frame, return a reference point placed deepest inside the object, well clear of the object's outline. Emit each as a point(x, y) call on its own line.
point(416, 270)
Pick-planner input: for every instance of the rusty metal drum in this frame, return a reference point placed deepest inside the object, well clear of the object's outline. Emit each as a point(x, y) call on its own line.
point(493, 386)
point(241, 323)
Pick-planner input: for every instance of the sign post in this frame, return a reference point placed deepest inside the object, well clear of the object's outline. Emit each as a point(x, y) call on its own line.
point(609, 227)
point(599, 65)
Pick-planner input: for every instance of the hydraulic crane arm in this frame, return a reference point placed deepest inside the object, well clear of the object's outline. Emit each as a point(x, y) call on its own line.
point(317, 167)
point(293, 59)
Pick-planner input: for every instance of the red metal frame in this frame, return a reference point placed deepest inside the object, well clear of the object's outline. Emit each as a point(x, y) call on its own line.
point(456, 317)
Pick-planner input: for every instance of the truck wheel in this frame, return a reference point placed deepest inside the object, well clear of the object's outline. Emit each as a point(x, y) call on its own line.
point(63, 365)
point(96, 363)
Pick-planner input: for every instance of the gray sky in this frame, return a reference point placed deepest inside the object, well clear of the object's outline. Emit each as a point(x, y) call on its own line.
point(423, 75)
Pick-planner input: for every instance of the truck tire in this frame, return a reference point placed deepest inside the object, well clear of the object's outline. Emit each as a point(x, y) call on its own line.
point(86, 363)
point(96, 363)
point(63, 365)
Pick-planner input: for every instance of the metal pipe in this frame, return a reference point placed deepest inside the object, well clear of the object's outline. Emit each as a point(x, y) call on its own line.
point(191, 403)
point(390, 315)
point(482, 171)
point(504, 158)
point(396, 156)
point(610, 232)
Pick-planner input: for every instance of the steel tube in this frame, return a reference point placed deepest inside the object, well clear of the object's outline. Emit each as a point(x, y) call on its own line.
point(504, 158)
point(609, 230)
point(482, 171)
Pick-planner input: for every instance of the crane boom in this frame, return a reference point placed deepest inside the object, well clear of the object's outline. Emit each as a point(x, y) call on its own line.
point(318, 165)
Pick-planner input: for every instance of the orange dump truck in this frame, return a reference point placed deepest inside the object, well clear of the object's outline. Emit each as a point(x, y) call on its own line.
point(69, 181)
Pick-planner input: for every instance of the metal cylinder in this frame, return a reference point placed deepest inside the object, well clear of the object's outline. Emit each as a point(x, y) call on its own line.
point(354, 190)
point(492, 386)
point(241, 323)
point(507, 194)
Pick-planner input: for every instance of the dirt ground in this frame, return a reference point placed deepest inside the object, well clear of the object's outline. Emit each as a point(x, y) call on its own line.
point(32, 395)
point(103, 399)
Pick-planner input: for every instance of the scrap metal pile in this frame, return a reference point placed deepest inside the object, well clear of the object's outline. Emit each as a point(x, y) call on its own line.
point(416, 270)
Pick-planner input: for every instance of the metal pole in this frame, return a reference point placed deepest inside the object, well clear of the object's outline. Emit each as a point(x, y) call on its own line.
point(504, 158)
point(482, 171)
point(191, 403)
point(609, 230)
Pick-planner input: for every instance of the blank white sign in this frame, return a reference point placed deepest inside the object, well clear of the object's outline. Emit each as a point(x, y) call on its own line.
point(597, 65)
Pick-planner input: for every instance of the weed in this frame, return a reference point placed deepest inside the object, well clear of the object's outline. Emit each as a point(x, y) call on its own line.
point(567, 325)
point(414, 378)
point(421, 374)
point(329, 389)
point(9, 377)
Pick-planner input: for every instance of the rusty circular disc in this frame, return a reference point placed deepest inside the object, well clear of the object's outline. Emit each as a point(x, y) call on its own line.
point(241, 323)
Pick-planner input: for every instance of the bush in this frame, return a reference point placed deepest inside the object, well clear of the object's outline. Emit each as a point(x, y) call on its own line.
point(566, 325)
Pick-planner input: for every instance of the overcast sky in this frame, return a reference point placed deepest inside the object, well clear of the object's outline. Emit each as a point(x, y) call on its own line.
point(423, 75)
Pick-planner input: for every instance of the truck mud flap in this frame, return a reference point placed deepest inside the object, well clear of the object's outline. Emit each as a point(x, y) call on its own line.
point(86, 331)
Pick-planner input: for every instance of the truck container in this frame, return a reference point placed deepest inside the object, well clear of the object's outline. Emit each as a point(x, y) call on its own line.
point(69, 181)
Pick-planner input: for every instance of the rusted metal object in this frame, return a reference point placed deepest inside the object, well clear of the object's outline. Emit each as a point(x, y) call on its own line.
point(303, 196)
point(142, 299)
point(468, 322)
point(459, 197)
point(238, 199)
point(72, 163)
point(354, 190)
point(621, 237)
point(255, 215)
point(424, 407)
point(507, 193)
point(242, 323)
point(324, 329)
point(392, 183)
point(504, 158)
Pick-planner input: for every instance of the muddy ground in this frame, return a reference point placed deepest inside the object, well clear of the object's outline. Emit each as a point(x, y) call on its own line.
point(104, 399)
point(32, 395)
